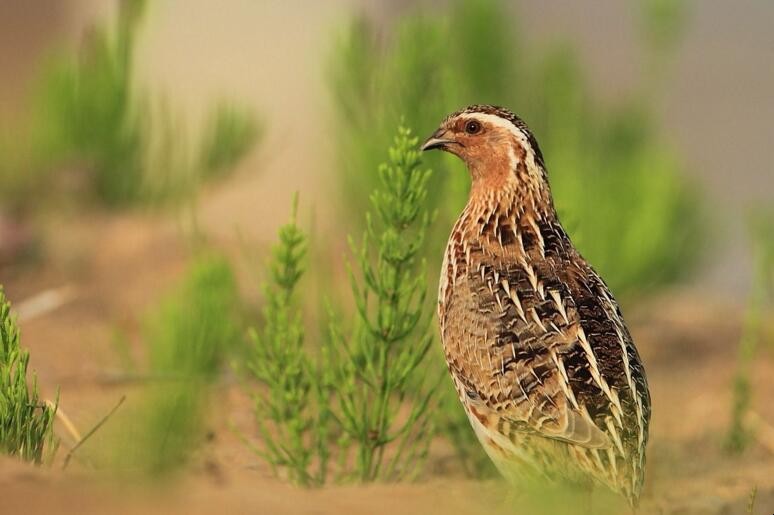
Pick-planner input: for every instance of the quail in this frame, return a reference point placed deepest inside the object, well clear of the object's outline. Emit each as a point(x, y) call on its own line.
point(535, 343)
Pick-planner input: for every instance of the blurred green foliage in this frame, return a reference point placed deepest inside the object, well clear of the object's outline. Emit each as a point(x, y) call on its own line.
point(188, 336)
point(663, 23)
point(89, 114)
point(617, 183)
point(540, 497)
point(190, 333)
point(751, 500)
point(22, 169)
point(87, 109)
point(230, 133)
point(760, 303)
point(26, 422)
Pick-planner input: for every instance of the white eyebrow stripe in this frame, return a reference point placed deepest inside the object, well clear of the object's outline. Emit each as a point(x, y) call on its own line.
point(500, 122)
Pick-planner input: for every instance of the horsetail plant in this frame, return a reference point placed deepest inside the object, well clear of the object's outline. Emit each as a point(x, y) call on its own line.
point(382, 409)
point(26, 423)
point(291, 405)
point(359, 398)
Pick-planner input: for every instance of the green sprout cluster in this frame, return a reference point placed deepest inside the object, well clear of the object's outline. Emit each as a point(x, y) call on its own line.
point(26, 422)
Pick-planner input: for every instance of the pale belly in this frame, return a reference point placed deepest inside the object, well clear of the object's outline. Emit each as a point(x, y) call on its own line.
point(522, 459)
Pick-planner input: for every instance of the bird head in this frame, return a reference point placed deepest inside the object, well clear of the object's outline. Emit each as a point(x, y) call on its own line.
point(495, 144)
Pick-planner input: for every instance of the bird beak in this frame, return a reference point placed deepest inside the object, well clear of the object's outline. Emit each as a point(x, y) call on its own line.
point(437, 140)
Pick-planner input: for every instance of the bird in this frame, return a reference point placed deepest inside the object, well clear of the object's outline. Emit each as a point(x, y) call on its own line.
point(536, 345)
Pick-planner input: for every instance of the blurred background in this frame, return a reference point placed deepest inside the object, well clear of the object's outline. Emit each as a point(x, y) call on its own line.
point(150, 151)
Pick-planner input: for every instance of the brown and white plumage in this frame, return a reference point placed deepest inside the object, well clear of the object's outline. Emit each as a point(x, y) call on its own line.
point(536, 345)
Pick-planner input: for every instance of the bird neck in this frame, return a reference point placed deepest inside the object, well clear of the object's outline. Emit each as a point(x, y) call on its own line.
point(519, 196)
point(512, 178)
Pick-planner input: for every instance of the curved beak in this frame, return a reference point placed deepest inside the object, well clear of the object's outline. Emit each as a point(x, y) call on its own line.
point(437, 140)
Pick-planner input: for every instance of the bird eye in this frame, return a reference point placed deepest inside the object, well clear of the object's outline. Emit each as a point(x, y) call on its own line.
point(473, 127)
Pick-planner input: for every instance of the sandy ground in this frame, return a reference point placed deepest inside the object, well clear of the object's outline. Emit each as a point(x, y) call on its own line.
point(688, 343)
